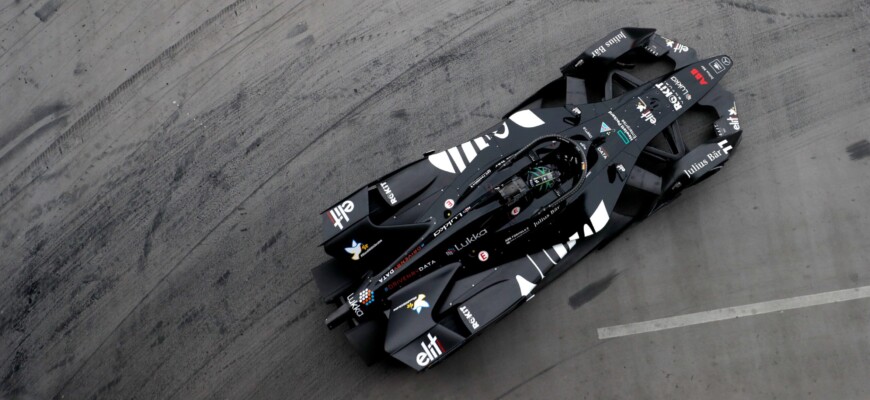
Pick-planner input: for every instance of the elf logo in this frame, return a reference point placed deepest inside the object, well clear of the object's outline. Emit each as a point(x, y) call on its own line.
point(338, 214)
point(645, 113)
point(732, 117)
point(431, 350)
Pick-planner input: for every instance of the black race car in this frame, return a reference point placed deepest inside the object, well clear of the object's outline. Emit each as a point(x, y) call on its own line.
point(426, 257)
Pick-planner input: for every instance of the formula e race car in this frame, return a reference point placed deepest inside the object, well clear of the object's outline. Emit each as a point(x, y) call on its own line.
point(426, 257)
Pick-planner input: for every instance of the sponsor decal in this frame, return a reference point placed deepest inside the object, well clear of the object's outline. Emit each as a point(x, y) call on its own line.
point(339, 213)
point(483, 256)
point(603, 152)
point(604, 127)
point(515, 211)
point(699, 76)
point(586, 131)
point(469, 240)
point(427, 265)
point(726, 61)
point(431, 350)
point(547, 216)
point(409, 256)
point(354, 305)
point(695, 167)
point(419, 303)
point(623, 136)
point(354, 250)
point(517, 235)
point(416, 303)
point(732, 117)
point(725, 146)
point(450, 222)
point(389, 193)
point(402, 280)
point(449, 203)
point(469, 317)
point(676, 47)
point(366, 297)
point(475, 182)
point(358, 250)
point(711, 156)
point(401, 263)
point(616, 39)
point(620, 168)
point(679, 84)
point(645, 112)
point(625, 132)
point(600, 50)
point(717, 66)
point(668, 92)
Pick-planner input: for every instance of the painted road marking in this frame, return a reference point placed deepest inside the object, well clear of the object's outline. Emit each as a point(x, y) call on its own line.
point(733, 312)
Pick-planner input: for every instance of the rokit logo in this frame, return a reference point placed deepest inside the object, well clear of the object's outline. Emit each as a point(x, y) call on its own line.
point(669, 94)
point(431, 350)
point(389, 193)
point(338, 214)
point(469, 317)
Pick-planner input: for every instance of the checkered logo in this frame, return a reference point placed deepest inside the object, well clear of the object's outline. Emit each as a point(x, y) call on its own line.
point(366, 297)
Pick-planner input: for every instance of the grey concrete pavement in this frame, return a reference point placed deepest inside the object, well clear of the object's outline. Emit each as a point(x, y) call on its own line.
point(163, 164)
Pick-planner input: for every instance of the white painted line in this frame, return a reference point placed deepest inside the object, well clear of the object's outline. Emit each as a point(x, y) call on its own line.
point(733, 312)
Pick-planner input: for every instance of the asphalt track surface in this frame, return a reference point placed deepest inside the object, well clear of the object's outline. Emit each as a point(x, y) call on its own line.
point(163, 164)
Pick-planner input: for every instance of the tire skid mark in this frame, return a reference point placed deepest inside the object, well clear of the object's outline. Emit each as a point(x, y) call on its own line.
point(551, 367)
point(209, 233)
point(751, 7)
point(68, 139)
point(304, 313)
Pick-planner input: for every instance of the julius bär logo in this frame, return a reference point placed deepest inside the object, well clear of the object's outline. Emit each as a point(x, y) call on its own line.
point(431, 350)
